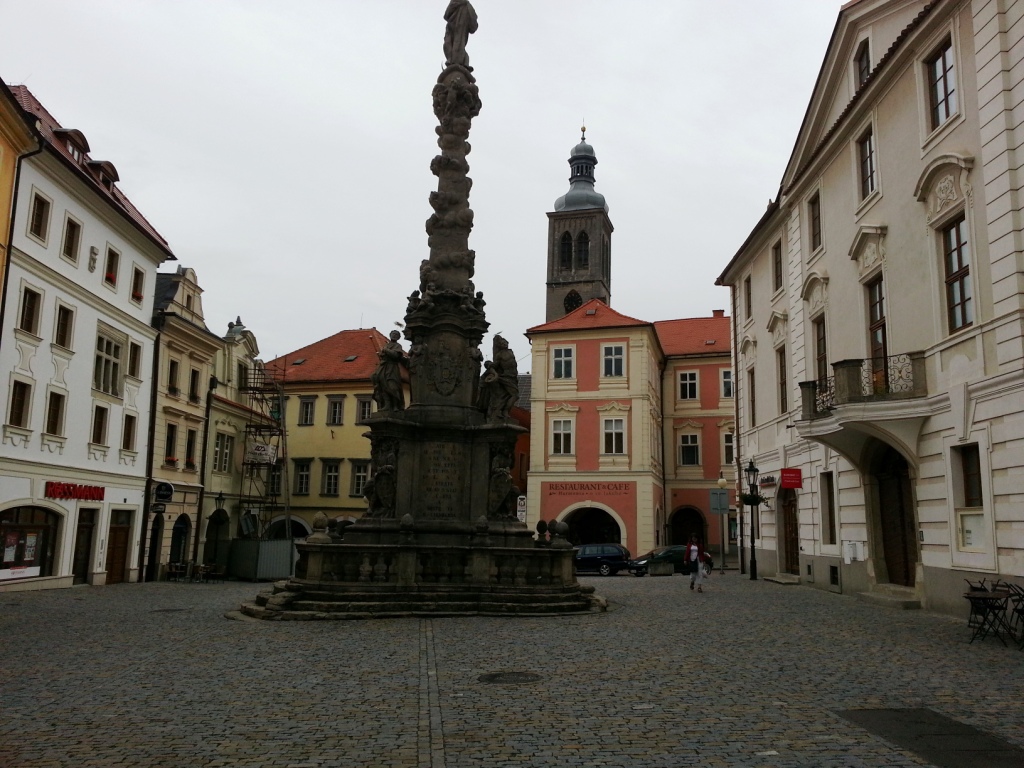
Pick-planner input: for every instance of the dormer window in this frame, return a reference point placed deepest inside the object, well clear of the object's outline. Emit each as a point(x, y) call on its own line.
point(75, 151)
point(862, 62)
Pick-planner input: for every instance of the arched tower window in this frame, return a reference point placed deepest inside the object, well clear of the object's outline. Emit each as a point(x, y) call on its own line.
point(565, 252)
point(583, 251)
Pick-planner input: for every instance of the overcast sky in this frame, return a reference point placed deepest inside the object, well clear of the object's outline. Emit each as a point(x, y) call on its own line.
point(283, 148)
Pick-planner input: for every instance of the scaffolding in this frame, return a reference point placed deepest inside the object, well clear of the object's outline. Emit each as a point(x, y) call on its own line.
point(263, 495)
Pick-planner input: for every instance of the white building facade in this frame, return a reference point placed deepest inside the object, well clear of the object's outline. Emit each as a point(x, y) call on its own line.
point(879, 313)
point(75, 366)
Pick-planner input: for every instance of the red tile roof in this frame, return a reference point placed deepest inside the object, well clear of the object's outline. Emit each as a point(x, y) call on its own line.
point(690, 336)
point(325, 360)
point(594, 314)
point(86, 168)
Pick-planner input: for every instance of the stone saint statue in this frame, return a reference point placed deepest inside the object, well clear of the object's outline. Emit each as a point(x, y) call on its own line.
point(461, 18)
point(499, 386)
point(387, 379)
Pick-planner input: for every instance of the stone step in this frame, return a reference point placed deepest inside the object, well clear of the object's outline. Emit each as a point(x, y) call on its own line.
point(316, 611)
point(785, 579)
point(900, 602)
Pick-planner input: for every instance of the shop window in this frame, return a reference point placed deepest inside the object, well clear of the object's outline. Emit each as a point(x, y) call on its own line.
point(28, 536)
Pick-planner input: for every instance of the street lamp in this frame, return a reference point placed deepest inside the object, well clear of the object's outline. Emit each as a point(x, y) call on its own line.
point(751, 473)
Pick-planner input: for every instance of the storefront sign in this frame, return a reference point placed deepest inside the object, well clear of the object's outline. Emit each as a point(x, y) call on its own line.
point(260, 453)
point(163, 492)
point(792, 478)
point(768, 481)
point(55, 490)
point(578, 489)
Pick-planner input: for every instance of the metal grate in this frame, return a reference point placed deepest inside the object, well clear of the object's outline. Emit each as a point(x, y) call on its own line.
point(509, 678)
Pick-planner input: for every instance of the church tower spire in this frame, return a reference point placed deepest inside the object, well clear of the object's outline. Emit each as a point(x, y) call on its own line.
point(579, 239)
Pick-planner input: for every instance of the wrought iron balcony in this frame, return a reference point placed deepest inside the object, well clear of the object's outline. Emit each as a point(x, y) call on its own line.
point(866, 380)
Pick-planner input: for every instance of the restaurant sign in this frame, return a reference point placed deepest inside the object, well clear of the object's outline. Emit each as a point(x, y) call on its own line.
point(581, 489)
point(792, 478)
point(55, 490)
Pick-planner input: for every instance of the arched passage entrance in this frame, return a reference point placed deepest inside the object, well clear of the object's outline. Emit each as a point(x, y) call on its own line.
point(685, 522)
point(179, 539)
point(892, 513)
point(277, 529)
point(590, 525)
point(218, 538)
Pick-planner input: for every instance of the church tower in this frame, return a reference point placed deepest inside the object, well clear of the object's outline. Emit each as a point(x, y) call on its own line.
point(579, 239)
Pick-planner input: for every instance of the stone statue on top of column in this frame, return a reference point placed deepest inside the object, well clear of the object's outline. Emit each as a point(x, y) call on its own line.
point(462, 22)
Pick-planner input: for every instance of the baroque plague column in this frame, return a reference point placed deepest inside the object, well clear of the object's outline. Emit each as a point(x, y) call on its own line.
point(441, 534)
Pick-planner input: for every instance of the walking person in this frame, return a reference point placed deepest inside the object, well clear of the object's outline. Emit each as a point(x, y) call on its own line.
point(695, 556)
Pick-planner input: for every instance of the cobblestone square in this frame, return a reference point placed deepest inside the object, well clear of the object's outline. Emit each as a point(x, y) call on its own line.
point(746, 674)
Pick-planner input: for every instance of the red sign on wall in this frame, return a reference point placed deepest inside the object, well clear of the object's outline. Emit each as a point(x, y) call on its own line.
point(791, 478)
point(55, 490)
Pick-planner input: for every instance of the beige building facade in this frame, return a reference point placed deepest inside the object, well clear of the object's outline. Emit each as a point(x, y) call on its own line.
point(879, 313)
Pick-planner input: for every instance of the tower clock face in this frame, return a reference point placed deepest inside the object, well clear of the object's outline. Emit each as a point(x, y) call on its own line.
point(573, 301)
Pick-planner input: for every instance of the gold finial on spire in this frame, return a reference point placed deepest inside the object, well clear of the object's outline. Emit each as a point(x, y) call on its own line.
point(583, 128)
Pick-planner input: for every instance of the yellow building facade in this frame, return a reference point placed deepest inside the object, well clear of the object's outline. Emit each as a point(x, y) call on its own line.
point(16, 139)
point(328, 396)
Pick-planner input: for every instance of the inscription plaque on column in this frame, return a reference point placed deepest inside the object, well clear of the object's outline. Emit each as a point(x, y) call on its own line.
point(443, 468)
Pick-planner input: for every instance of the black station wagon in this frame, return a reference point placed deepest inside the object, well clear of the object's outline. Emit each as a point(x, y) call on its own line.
point(605, 559)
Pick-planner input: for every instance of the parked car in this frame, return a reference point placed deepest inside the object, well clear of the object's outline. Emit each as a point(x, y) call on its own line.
point(605, 559)
point(676, 555)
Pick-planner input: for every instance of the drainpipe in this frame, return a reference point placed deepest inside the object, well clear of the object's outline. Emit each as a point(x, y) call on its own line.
point(664, 483)
point(202, 471)
point(147, 503)
point(10, 231)
point(736, 419)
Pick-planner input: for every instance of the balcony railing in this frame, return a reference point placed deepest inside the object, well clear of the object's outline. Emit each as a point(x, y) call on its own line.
point(865, 380)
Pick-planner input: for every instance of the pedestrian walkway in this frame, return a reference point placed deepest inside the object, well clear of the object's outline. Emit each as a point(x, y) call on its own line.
point(746, 674)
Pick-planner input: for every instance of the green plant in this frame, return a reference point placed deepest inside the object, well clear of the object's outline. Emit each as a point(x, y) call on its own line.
point(752, 499)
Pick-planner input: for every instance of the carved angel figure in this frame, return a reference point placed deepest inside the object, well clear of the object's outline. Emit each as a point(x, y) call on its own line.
point(387, 379)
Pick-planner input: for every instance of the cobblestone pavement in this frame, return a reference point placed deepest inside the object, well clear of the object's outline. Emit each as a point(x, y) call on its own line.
point(746, 674)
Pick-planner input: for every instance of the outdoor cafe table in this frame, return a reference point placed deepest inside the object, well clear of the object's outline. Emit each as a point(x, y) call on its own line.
point(990, 608)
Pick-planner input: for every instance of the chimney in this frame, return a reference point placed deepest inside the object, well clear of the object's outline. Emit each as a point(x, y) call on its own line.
point(718, 313)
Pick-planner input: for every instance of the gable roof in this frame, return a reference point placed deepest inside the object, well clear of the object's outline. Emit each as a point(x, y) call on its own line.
point(325, 360)
point(594, 314)
point(86, 169)
point(690, 336)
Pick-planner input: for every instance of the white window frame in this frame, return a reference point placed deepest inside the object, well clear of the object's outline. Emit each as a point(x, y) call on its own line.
point(303, 476)
point(37, 315)
point(691, 380)
point(127, 445)
point(688, 440)
point(96, 408)
point(728, 446)
point(562, 357)
point(69, 347)
point(330, 477)
point(115, 374)
point(335, 407)
point(111, 251)
point(138, 281)
point(62, 425)
point(44, 238)
point(613, 428)
point(724, 378)
point(560, 429)
point(609, 355)
point(73, 258)
point(360, 476)
point(307, 411)
point(27, 408)
point(364, 408)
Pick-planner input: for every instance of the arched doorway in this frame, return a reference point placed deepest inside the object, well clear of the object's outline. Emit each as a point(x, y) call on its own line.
point(217, 538)
point(179, 539)
point(684, 523)
point(156, 537)
point(29, 536)
point(277, 529)
point(893, 514)
point(789, 519)
point(592, 526)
